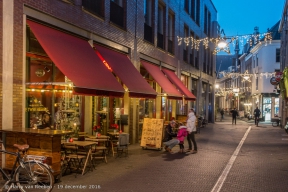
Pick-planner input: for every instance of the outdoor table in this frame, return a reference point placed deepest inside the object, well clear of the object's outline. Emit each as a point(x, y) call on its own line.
point(84, 144)
point(97, 137)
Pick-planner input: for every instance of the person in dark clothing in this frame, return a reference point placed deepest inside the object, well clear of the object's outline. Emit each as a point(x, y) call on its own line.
point(234, 113)
point(45, 122)
point(222, 113)
point(257, 113)
point(169, 134)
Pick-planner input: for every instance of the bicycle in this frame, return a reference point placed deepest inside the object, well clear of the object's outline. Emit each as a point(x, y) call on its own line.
point(276, 122)
point(31, 174)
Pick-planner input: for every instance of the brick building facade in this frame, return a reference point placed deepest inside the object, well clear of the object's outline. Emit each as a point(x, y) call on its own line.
point(195, 17)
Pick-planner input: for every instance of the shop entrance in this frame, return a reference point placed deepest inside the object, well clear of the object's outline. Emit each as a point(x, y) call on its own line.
point(266, 108)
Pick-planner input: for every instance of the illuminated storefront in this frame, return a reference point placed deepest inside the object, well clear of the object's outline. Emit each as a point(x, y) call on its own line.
point(94, 86)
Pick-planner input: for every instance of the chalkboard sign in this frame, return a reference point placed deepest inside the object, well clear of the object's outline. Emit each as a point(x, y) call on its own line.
point(152, 133)
point(124, 119)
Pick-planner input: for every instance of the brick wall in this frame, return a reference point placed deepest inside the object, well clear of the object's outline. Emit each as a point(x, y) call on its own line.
point(18, 64)
point(73, 13)
point(1, 60)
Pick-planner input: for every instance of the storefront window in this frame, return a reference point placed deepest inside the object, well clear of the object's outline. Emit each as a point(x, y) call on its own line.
point(146, 109)
point(49, 99)
point(203, 99)
point(194, 91)
point(182, 104)
point(276, 107)
point(49, 93)
point(106, 113)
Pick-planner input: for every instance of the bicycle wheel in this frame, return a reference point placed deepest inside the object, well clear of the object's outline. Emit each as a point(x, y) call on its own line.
point(34, 177)
point(204, 123)
point(274, 124)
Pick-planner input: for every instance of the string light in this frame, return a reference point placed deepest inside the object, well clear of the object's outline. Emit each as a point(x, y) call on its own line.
point(247, 76)
point(195, 43)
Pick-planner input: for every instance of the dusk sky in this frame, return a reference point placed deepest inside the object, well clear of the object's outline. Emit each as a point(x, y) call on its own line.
point(241, 16)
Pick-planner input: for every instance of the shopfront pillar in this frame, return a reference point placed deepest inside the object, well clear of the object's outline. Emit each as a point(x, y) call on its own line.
point(131, 115)
point(88, 114)
point(158, 103)
point(7, 64)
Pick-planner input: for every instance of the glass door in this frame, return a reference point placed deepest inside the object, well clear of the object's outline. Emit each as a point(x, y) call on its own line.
point(266, 108)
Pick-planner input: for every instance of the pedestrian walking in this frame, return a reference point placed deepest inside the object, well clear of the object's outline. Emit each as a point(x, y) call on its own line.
point(191, 129)
point(257, 114)
point(222, 114)
point(234, 113)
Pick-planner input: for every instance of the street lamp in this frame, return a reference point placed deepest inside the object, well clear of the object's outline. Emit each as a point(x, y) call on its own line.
point(222, 43)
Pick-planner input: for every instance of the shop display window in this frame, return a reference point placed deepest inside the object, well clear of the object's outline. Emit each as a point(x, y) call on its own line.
point(147, 109)
point(50, 103)
point(276, 107)
point(107, 112)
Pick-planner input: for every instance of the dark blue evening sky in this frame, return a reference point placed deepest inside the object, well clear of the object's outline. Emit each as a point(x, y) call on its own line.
point(239, 17)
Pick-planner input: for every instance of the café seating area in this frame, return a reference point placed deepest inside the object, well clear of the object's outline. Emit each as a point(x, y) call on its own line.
point(82, 154)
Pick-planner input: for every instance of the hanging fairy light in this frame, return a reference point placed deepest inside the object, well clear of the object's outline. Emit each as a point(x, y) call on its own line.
point(250, 39)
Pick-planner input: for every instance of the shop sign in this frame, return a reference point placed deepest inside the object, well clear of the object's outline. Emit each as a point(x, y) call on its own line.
point(273, 81)
point(40, 72)
point(36, 109)
point(278, 76)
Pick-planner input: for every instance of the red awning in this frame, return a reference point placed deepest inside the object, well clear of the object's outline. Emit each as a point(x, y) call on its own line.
point(158, 75)
point(121, 65)
point(177, 82)
point(77, 60)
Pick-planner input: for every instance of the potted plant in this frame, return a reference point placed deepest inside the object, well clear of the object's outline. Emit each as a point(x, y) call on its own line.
point(97, 129)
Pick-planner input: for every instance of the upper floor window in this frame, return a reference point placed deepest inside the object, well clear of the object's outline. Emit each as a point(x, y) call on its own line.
point(94, 6)
point(117, 13)
point(160, 26)
point(193, 9)
point(171, 21)
point(209, 24)
point(148, 25)
point(277, 55)
point(186, 6)
point(198, 13)
point(197, 56)
point(205, 19)
point(192, 59)
point(185, 50)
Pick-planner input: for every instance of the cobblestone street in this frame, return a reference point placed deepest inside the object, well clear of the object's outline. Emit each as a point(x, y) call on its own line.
point(260, 165)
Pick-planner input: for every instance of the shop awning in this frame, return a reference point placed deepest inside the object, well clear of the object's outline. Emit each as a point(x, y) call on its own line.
point(159, 77)
point(177, 82)
point(77, 60)
point(121, 65)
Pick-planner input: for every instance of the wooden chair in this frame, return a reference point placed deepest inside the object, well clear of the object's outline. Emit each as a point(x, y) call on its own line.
point(99, 151)
point(73, 159)
point(123, 143)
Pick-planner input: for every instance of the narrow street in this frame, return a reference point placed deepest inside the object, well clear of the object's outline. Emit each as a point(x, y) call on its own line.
point(254, 159)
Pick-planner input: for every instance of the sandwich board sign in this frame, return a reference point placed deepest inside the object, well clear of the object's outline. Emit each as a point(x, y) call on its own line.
point(152, 133)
